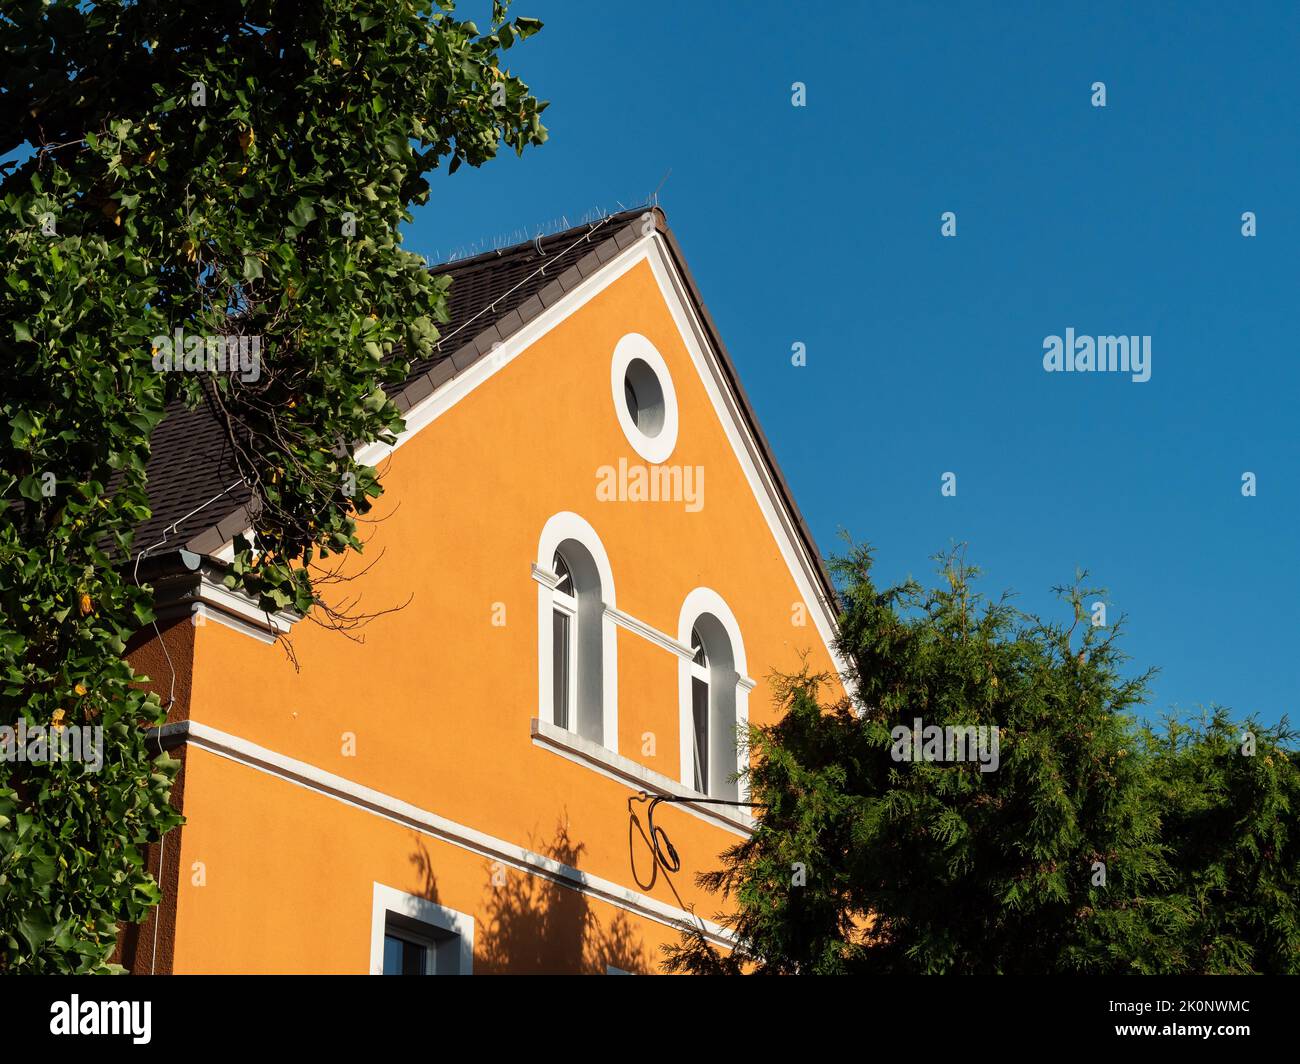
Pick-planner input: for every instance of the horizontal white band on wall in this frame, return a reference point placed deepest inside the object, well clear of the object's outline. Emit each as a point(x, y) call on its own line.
point(232, 747)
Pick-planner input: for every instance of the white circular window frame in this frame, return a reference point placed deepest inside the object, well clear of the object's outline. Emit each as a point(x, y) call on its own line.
point(657, 448)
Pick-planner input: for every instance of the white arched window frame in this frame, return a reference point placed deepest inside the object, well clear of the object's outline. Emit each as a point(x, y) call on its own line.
point(576, 604)
point(716, 668)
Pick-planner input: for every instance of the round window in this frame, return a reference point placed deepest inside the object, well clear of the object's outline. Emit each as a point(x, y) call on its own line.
point(644, 398)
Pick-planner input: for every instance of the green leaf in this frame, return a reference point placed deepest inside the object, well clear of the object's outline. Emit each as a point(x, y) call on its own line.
point(36, 928)
point(396, 146)
point(302, 213)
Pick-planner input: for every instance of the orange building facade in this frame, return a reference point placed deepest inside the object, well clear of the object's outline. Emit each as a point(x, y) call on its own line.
point(584, 569)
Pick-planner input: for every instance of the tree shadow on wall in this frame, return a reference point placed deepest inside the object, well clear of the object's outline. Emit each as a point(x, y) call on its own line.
point(423, 862)
point(537, 926)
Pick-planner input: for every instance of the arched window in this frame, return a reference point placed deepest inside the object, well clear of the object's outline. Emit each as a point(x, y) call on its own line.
point(714, 696)
point(576, 640)
point(713, 709)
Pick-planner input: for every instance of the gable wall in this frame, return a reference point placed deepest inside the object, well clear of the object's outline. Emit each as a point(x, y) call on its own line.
point(440, 700)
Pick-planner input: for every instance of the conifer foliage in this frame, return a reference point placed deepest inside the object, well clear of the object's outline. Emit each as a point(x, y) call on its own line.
point(1096, 844)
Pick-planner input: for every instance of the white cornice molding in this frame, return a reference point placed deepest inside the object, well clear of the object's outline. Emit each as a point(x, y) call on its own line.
point(545, 577)
point(203, 598)
point(302, 774)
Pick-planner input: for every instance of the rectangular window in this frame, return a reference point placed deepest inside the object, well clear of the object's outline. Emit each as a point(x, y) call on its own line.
point(700, 712)
point(561, 679)
point(410, 935)
point(412, 947)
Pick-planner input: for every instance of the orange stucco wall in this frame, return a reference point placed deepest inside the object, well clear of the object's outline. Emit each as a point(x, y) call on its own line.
point(440, 699)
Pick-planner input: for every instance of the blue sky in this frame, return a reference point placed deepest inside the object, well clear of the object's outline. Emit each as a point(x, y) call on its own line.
point(822, 225)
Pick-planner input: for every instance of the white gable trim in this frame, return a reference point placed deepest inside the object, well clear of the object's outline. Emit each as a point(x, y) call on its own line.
point(672, 286)
point(803, 567)
point(433, 406)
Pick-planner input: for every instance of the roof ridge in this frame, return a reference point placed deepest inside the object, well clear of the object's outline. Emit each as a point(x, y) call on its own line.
point(504, 297)
point(488, 258)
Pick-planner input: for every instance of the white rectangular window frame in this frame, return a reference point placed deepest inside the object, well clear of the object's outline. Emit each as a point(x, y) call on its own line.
point(414, 908)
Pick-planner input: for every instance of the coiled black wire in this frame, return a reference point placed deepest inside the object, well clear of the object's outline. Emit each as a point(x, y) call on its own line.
point(670, 860)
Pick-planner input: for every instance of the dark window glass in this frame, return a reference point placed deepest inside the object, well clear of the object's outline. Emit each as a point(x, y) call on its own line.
point(629, 397)
point(700, 712)
point(697, 645)
point(402, 957)
point(560, 667)
point(565, 582)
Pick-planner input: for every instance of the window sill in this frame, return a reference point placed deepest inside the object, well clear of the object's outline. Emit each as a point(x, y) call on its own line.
point(635, 775)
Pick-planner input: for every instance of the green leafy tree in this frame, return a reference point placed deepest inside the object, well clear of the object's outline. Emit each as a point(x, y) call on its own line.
point(1083, 851)
point(234, 169)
